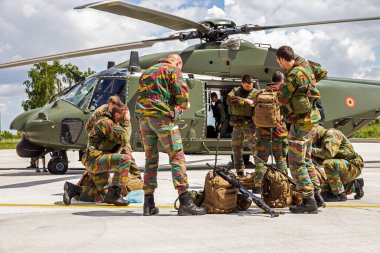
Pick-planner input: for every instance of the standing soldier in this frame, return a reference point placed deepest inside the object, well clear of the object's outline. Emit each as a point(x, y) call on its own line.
point(162, 93)
point(240, 107)
point(271, 132)
point(341, 163)
point(299, 94)
point(218, 112)
point(98, 162)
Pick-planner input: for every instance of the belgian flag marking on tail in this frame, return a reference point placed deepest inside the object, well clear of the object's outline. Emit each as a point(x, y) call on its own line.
point(350, 102)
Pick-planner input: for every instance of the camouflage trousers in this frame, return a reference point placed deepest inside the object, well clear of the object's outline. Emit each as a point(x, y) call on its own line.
point(95, 191)
point(299, 158)
point(279, 149)
point(163, 130)
point(99, 164)
point(340, 174)
point(239, 134)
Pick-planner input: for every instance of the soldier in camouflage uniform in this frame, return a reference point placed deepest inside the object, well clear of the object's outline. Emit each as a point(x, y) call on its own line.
point(341, 163)
point(271, 141)
point(240, 103)
point(125, 122)
point(163, 92)
point(299, 93)
point(99, 162)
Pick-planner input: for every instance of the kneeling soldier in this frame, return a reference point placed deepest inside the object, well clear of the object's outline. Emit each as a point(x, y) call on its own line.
point(99, 162)
point(341, 163)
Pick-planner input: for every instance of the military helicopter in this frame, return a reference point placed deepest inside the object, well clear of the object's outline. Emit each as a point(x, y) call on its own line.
point(216, 64)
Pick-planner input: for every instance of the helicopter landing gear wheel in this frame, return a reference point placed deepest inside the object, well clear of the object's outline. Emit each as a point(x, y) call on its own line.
point(57, 166)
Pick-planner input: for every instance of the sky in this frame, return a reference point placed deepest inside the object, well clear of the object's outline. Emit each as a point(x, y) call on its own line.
point(32, 28)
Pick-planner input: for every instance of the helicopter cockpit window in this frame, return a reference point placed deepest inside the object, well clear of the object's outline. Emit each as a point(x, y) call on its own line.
point(81, 94)
point(105, 89)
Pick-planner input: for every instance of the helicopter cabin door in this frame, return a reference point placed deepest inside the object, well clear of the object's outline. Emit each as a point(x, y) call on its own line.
point(192, 122)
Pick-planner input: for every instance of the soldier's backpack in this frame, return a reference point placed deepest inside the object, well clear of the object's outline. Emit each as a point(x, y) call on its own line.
point(276, 189)
point(267, 109)
point(248, 180)
point(300, 102)
point(218, 195)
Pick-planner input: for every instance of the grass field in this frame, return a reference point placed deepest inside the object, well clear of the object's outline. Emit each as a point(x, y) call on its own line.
point(370, 131)
point(9, 143)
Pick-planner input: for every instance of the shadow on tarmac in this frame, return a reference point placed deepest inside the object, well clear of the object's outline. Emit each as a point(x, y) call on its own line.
point(39, 182)
point(104, 213)
point(32, 173)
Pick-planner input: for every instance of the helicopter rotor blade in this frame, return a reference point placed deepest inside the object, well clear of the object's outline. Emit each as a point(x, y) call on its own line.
point(269, 27)
point(145, 14)
point(91, 51)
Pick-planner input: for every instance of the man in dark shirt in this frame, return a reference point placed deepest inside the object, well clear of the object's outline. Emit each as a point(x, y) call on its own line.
point(217, 111)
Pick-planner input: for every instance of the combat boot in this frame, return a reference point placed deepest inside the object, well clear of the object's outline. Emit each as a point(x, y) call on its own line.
point(187, 207)
point(114, 197)
point(336, 198)
point(69, 191)
point(359, 184)
point(149, 205)
point(308, 205)
point(319, 199)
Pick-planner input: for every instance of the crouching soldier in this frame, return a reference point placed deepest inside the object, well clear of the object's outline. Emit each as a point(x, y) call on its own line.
point(99, 163)
point(125, 122)
point(341, 163)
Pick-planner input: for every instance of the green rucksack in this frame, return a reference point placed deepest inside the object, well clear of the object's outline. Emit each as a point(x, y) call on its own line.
point(300, 102)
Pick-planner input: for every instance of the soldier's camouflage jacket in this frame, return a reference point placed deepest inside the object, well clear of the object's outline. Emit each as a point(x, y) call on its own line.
point(103, 111)
point(333, 144)
point(125, 123)
point(296, 82)
point(161, 89)
point(103, 133)
point(241, 112)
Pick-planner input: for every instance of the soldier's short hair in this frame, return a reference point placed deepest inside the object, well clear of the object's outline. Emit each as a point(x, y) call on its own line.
point(114, 100)
point(214, 95)
point(246, 79)
point(285, 52)
point(278, 76)
point(118, 108)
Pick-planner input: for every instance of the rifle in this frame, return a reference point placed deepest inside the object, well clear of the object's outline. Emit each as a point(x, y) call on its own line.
point(272, 167)
point(223, 173)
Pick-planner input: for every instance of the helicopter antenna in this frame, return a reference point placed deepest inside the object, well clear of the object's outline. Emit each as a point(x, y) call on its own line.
point(134, 62)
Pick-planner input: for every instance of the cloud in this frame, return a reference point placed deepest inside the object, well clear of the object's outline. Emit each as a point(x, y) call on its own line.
point(32, 28)
point(215, 12)
point(341, 48)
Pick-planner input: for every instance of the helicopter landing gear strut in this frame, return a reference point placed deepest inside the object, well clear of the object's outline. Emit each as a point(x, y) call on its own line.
point(59, 163)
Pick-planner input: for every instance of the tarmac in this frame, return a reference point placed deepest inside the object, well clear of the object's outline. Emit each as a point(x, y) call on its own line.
point(34, 219)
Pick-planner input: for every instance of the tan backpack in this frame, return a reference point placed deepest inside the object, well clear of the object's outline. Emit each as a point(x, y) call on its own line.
point(248, 181)
point(276, 189)
point(267, 109)
point(219, 196)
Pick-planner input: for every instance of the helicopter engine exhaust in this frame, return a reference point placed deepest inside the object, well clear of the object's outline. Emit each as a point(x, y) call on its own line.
point(27, 149)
